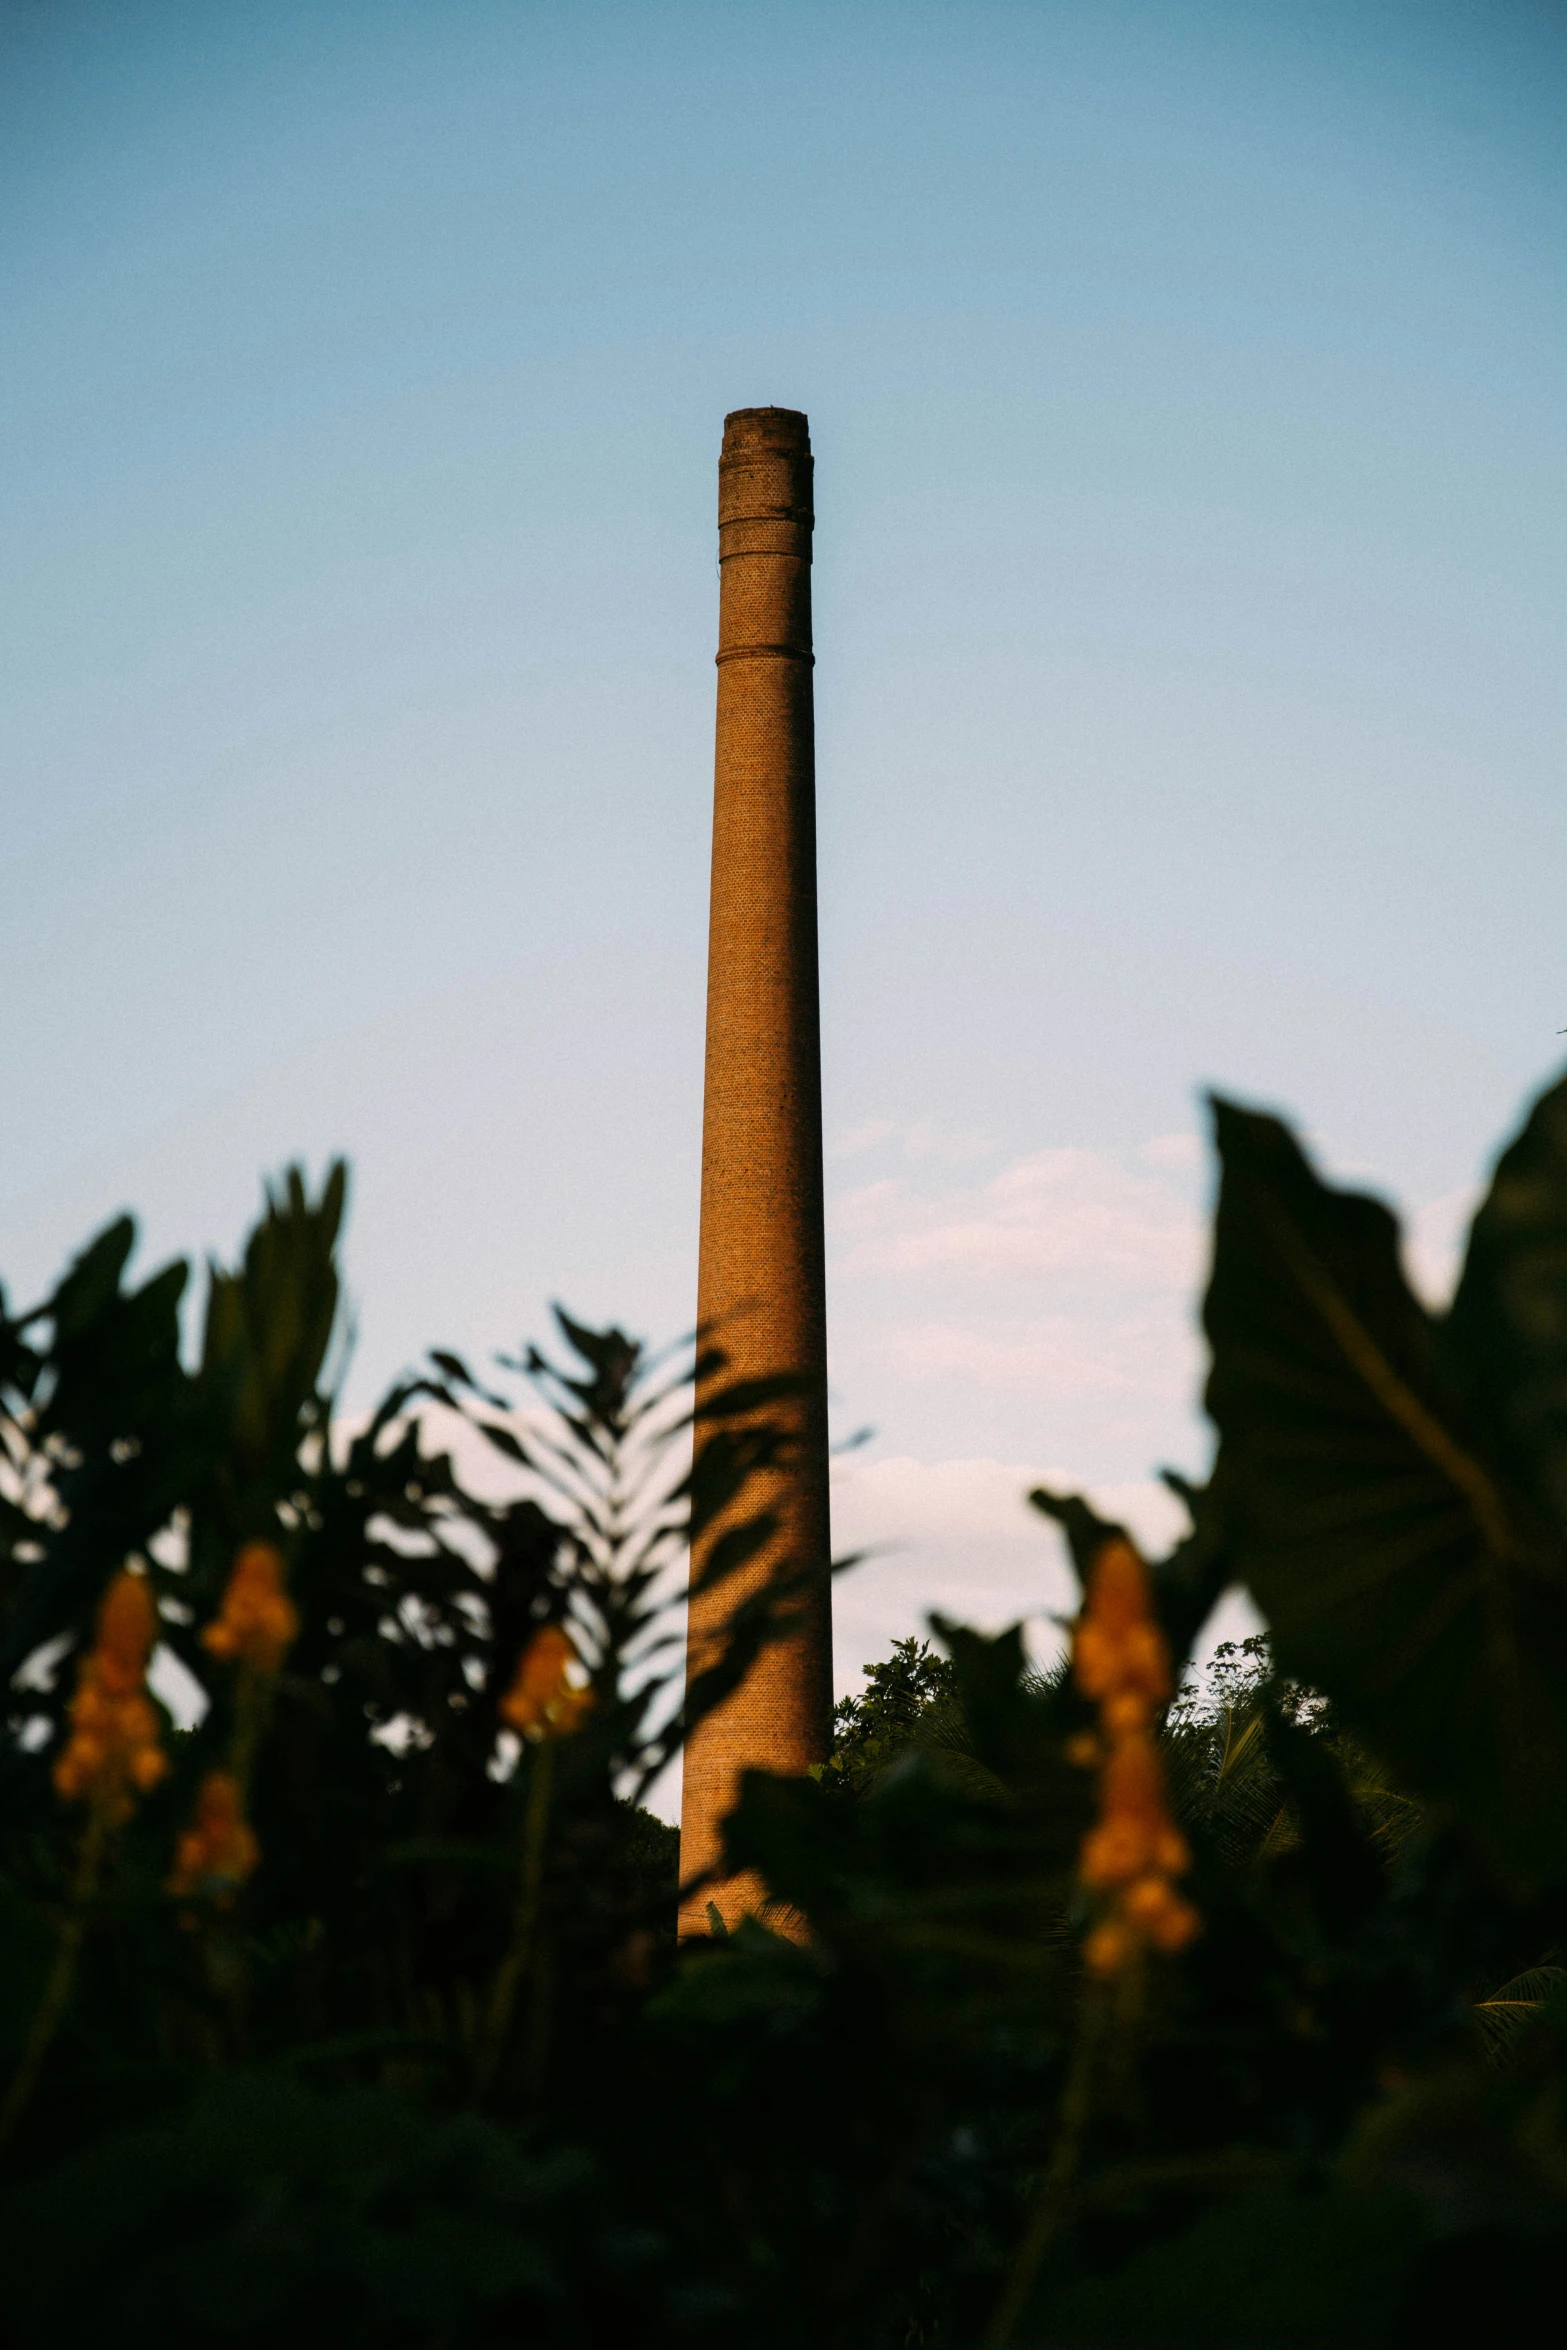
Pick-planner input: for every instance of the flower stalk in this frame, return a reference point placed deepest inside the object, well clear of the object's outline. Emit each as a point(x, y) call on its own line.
point(545, 1703)
point(112, 1754)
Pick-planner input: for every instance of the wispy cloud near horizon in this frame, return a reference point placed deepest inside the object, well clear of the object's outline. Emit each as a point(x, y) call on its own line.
point(1051, 1282)
point(1122, 1219)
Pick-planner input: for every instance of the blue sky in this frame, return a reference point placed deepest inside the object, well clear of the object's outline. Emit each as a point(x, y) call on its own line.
point(1186, 382)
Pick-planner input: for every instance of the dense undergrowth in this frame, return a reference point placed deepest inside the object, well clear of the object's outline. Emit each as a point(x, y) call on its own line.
point(353, 2009)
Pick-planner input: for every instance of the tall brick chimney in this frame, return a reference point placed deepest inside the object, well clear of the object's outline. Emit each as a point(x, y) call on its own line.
point(761, 1281)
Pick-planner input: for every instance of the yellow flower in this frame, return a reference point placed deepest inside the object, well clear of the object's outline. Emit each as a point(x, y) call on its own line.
point(218, 1851)
point(115, 1749)
point(1135, 1830)
point(257, 1623)
point(1119, 1654)
point(1154, 1908)
point(1109, 1946)
point(1134, 1849)
point(543, 1701)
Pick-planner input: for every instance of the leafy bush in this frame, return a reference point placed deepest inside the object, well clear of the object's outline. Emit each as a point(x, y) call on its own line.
point(1119, 2020)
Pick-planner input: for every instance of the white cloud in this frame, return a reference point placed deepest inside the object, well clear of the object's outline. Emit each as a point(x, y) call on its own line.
point(900, 1498)
point(1175, 1150)
point(923, 1140)
point(958, 1538)
point(869, 1135)
point(1055, 1292)
point(1054, 1358)
point(1122, 1220)
point(910, 1504)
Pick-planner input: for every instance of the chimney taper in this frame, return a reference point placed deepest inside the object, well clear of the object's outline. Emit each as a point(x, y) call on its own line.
point(761, 1284)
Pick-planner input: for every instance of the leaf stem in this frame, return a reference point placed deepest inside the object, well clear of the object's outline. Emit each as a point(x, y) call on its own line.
point(62, 1978)
point(525, 1921)
point(1050, 2204)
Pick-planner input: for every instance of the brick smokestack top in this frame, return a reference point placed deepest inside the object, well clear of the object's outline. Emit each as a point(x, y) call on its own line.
point(761, 1282)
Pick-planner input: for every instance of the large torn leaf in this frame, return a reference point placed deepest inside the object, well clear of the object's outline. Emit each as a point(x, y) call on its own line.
point(1506, 1339)
point(1368, 1504)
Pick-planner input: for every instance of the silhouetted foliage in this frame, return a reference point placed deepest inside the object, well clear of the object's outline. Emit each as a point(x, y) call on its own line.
point(435, 2072)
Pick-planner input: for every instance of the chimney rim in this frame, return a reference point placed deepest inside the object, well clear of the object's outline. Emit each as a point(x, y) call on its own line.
point(764, 427)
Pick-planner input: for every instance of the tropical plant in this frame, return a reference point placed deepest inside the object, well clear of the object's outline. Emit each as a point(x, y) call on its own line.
point(1135, 2006)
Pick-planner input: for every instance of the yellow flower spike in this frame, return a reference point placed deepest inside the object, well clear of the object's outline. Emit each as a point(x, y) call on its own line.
point(1115, 1852)
point(1125, 1711)
point(1146, 1901)
point(257, 1623)
point(1121, 1659)
point(1171, 1922)
point(218, 1852)
point(1109, 1946)
point(1118, 1649)
point(543, 1701)
point(115, 1747)
point(127, 1628)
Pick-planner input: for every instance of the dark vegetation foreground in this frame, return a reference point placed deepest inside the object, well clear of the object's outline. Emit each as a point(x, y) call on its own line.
point(1102, 2016)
